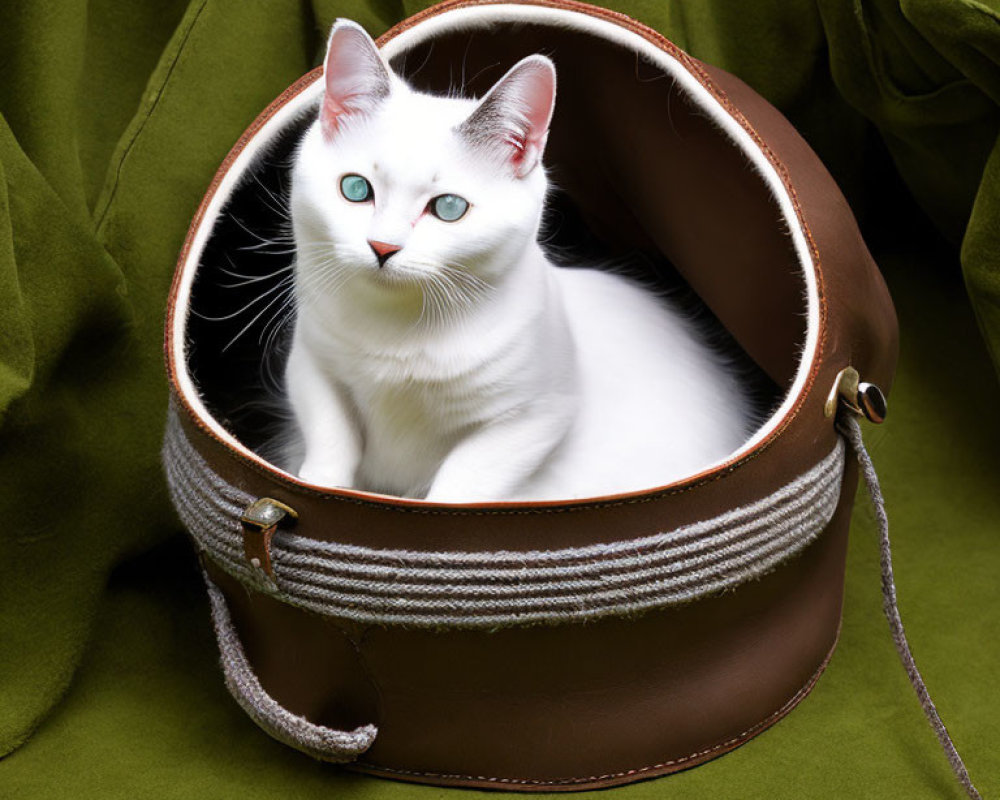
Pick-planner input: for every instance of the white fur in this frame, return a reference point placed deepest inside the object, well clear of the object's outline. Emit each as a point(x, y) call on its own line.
point(470, 368)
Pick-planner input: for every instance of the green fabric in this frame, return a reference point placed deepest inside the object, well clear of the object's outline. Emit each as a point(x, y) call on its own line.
point(113, 118)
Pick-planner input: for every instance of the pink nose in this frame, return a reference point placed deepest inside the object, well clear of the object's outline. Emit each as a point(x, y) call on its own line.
point(383, 250)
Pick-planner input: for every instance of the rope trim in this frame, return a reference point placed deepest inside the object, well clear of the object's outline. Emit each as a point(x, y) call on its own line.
point(318, 741)
point(851, 429)
point(506, 588)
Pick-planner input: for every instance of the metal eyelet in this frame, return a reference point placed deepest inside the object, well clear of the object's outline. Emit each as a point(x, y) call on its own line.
point(865, 399)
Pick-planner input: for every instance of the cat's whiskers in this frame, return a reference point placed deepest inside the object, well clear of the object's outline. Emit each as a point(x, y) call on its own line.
point(423, 308)
point(325, 276)
point(246, 280)
point(319, 244)
point(286, 287)
point(442, 305)
point(448, 289)
point(468, 280)
point(283, 239)
point(471, 288)
point(433, 297)
point(280, 204)
point(428, 305)
point(279, 321)
point(288, 250)
point(286, 282)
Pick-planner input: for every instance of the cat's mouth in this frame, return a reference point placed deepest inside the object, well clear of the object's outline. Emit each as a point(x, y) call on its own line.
point(394, 273)
point(437, 293)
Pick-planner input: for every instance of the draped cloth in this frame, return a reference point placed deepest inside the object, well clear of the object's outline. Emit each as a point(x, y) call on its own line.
point(113, 119)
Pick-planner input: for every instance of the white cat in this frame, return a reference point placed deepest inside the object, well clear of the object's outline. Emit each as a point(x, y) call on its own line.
point(437, 352)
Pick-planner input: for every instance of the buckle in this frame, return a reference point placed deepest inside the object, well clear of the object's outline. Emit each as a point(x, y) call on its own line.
point(259, 521)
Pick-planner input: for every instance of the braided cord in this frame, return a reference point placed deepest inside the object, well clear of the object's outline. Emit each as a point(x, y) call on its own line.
point(851, 428)
point(486, 590)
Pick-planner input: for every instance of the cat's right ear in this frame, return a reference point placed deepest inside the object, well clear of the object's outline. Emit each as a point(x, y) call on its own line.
point(512, 120)
point(357, 77)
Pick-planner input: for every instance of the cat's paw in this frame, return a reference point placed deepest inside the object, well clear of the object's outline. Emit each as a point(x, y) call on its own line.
point(466, 493)
point(446, 496)
point(326, 475)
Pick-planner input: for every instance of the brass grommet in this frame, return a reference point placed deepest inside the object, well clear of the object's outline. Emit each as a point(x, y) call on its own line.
point(862, 398)
point(845, 387)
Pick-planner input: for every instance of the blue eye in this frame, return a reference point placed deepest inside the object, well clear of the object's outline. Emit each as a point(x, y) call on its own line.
point(355, 188)
point(449, 207)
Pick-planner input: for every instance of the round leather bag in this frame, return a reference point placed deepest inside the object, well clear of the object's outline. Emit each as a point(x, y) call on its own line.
point(556, 645)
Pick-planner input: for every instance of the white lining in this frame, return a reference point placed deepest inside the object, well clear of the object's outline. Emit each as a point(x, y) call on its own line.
point(472, 17)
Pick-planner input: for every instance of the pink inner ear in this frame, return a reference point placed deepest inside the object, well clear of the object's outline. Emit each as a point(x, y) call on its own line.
point(536, 89)
point(356, 77)
point(331, 113)
point(512, 120)
point(539, 97)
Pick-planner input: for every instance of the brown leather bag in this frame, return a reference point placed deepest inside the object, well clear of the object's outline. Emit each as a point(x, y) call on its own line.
point(547, 646)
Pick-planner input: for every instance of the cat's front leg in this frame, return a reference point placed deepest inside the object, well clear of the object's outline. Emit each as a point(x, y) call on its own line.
point(327, 427)
point(497, 461)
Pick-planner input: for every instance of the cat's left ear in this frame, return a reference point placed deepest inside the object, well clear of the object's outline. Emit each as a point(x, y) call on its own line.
point(513, 119)
point(356, 76)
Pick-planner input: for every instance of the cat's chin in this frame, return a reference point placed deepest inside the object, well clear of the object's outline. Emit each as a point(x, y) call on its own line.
point(395, 276)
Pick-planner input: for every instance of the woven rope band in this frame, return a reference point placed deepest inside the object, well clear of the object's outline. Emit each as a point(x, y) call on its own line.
point(505, 588)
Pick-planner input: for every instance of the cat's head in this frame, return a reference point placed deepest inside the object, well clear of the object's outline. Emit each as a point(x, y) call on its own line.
point(392, 186)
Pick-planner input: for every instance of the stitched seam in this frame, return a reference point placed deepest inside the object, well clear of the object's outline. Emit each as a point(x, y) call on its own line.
point(727, 744)
point(786, 181)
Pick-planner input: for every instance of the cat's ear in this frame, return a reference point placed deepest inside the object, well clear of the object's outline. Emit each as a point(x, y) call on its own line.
point(357, 77)
point(512, 120)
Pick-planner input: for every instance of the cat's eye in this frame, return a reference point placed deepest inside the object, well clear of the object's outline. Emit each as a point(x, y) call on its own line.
point(449, 207)
point(355, 188)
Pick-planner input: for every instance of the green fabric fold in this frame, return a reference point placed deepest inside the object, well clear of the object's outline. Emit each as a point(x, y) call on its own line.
point(113, 120)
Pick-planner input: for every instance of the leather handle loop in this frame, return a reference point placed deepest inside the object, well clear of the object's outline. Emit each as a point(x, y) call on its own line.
point(326, 744)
